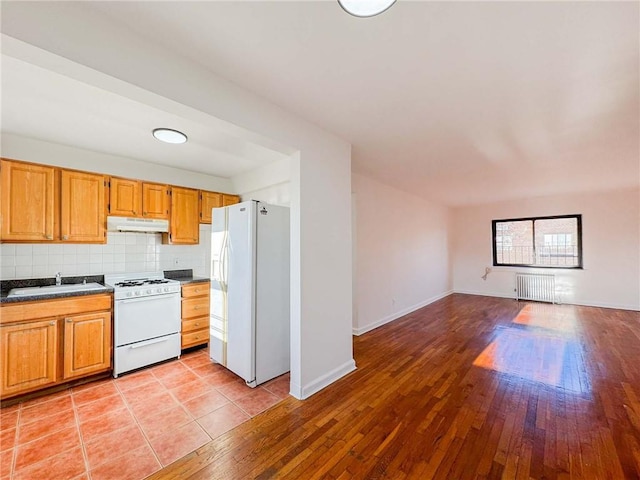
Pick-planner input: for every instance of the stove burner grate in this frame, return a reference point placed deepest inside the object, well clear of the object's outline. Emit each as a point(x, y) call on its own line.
point(129, 283)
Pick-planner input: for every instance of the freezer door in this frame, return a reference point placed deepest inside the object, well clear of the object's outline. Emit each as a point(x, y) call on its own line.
point(272, 292)
point(241, 290)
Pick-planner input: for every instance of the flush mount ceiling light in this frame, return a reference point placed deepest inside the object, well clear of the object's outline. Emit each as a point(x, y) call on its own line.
point(365, 8)
point(168, 135)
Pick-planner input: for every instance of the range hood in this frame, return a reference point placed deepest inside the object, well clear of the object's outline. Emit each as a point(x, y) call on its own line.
point(129, 224)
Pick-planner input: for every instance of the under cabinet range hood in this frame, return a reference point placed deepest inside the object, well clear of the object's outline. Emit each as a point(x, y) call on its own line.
point(129, 224)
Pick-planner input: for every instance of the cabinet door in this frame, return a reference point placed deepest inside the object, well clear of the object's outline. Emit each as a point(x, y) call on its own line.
point(28, 199)
point(230, 200)
point(125, 197)
point(29, 353)
point(208, 200)
point(82, 212)
point(155, 200)
point(184, 224)
point(87, 344)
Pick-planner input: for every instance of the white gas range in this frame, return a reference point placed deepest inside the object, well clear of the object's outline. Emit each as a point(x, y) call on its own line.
point(146, 319)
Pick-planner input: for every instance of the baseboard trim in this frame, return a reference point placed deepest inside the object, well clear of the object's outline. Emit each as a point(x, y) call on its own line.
point(304, 392)
point(633, 308)
point(401, 313)
point(486, 294)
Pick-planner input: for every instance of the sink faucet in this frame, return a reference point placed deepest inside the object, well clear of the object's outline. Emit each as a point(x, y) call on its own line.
point(58, 278)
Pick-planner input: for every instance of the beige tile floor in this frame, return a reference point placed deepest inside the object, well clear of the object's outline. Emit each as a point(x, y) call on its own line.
point(130, 427)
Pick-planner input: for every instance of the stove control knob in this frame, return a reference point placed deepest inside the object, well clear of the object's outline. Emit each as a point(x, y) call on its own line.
point(137, 292)
point(149, 291)
point(129, 294)
point(159, 290)
point(166, 289)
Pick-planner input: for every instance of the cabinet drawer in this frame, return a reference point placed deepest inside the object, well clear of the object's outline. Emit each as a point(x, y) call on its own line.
point(195, 307)
point(195, 289)
point(195, 324)
point(195, 338)
point(18, 312)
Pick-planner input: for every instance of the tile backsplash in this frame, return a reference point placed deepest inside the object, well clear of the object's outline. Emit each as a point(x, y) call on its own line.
point(123, 252)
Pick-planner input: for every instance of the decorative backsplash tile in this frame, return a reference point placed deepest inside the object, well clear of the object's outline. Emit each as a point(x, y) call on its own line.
point(123, 252)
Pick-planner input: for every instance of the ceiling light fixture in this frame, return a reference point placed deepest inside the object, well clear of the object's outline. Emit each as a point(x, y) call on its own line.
point(365, 8)
point(168, 135)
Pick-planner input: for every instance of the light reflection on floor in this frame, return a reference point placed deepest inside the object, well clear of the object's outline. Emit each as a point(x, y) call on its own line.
point(542, 346)
point(545, 315)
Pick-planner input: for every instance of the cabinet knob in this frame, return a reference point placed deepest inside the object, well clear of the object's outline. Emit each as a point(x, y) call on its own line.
point(52, 323)
point(196, 307)
point(49, 237)
point(69, 320)
point(65, 237)
point(197, 324)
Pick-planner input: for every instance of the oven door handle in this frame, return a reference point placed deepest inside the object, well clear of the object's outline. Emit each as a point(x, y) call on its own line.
point(150, 297)
point(148, 342)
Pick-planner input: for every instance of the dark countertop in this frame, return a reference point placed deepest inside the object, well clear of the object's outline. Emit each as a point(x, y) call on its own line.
point(7, 285)
point(184, 276)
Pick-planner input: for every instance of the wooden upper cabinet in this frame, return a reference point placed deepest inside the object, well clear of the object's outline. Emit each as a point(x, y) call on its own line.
point(230, 199)
point(82, 208)
point(133, 198)
point(87, 344)
point(28, 201)
point(29, 355)
point(155, 200)
point(39, 203)
point(208, 200)
point(125, 197)
point(184, 226)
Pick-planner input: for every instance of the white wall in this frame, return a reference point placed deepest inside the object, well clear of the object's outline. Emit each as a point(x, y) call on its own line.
point(123, 252)
point(610, 240)
point(18, 147)
point(402, 253)
point(270, 184)
point(321, 349)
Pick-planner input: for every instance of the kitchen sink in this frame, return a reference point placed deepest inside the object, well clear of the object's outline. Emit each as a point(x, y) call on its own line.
point(51, 289)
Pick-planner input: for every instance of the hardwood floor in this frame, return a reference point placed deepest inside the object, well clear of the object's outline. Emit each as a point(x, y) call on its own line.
point(468, 387)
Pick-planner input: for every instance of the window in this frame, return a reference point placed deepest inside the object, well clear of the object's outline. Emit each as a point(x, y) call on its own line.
point(548, 242)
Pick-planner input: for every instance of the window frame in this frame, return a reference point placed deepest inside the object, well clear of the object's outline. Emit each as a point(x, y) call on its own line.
point(494, 224)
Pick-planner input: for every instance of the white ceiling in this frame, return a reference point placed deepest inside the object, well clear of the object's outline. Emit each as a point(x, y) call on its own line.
point(39, 103)
point(457, 102)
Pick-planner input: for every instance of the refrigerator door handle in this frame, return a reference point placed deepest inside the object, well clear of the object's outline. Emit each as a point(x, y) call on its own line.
point(224, 254)
point(223, 261)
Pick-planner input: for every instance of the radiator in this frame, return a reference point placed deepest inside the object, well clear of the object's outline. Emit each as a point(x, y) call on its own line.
point(536, 286)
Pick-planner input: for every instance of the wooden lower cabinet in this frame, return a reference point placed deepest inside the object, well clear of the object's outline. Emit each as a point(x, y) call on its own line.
point(87, 344)
point(53, 341)
point(29, 356)
point(195, 314)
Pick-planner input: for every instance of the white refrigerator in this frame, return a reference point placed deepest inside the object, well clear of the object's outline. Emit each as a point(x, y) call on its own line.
point(249, 329)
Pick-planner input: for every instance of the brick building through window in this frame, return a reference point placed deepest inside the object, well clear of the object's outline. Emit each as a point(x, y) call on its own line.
point(538, 242)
